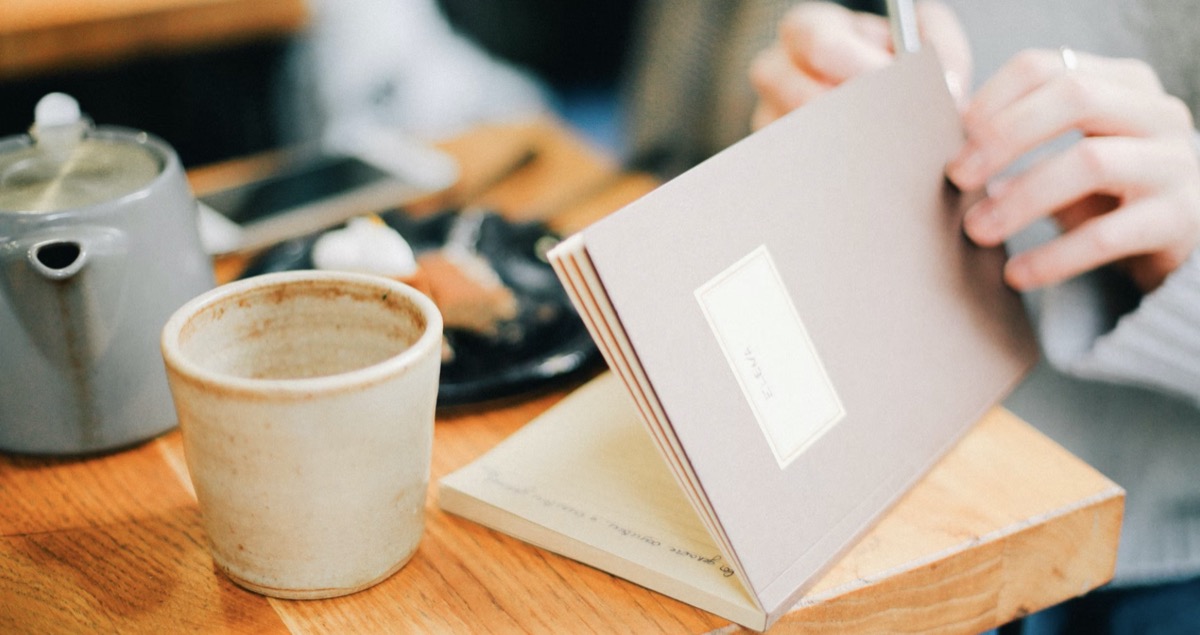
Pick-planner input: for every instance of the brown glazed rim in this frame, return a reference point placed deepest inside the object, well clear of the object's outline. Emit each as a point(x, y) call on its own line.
point(429, 343)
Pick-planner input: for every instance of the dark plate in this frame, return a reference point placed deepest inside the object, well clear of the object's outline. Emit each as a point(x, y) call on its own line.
point(545, 343)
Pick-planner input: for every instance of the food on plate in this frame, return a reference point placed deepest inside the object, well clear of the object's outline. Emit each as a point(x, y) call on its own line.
point(367, 245)
point(463, 284)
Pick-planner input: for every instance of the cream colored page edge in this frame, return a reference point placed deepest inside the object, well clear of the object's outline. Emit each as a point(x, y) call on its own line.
point(636, 540)
point(583, 286)
point(577, 272)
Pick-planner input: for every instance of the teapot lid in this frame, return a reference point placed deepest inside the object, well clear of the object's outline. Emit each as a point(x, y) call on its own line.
point(69, 164)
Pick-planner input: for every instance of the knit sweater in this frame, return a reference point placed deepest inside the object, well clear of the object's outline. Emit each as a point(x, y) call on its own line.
point(1123, 399)
point(1120, 382)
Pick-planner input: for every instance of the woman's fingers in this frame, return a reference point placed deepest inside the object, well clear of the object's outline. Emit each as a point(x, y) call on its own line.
point(819, 46)
point(833, 44)
point(781, 87)
point(822, 44)
point(1033, 68)
point(1092, 104)
point(1139, 229)
point(941, 29)
point(1121, 167)
point(1119, 199)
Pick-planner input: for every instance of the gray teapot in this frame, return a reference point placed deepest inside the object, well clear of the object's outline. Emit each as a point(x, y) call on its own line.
point(98, 246)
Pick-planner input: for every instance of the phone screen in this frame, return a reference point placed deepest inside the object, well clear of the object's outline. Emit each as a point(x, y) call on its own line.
point(297, 185)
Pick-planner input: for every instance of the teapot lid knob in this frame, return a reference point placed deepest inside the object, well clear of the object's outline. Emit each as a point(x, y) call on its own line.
point(56, 109)
point(58, 124)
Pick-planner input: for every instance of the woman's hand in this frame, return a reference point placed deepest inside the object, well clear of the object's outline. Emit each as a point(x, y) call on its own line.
point(1128, 193)
point(821, 45)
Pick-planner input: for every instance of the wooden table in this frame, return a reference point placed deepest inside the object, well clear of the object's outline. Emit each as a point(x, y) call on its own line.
point(1006, 524)
point(41, 35)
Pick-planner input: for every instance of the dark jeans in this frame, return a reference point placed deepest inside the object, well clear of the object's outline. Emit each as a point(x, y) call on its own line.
point(1164, 609)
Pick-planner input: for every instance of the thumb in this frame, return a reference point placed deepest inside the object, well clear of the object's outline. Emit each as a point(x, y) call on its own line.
point(941, 29)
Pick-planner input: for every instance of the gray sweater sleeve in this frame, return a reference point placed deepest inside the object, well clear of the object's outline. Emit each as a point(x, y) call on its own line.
point(1094, 327)
point(1156, 345)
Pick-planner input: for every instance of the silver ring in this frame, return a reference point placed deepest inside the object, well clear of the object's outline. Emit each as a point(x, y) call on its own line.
point(1069, 60)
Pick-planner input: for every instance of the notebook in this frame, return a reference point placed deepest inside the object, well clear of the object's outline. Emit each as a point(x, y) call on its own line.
point(801, 329)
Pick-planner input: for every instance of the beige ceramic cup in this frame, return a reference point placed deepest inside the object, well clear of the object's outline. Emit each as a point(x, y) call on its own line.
point(306, 402)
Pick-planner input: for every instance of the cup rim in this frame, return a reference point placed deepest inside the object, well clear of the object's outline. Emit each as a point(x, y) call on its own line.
point(429, 343)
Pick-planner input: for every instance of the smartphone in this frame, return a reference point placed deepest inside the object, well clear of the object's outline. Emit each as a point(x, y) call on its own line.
point(304, 195)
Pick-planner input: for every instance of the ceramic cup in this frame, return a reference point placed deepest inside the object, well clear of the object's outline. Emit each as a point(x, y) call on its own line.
point(306, 402)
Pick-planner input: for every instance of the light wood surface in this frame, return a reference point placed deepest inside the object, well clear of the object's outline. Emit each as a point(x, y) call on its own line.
point(44, 35)
point(1007, 523)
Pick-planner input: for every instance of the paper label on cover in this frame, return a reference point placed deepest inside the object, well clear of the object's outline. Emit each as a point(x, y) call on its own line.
point(771, 355)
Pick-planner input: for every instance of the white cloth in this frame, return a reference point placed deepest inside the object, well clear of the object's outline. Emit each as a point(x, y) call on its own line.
point(397, 64)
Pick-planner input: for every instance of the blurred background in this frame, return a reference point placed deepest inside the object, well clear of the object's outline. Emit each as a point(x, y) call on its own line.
point(225, 78)
point(222, 87)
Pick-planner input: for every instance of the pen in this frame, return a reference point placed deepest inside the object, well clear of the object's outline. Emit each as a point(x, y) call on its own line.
point(903, 21)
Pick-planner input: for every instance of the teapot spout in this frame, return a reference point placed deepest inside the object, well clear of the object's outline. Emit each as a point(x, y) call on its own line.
point(66, 288)
point(57, 259)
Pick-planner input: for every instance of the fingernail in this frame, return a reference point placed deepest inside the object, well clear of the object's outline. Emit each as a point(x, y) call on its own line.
point(982, 224)
point(967, 170)
point(955, 85)
point(1017, 273)
point(996, 188)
